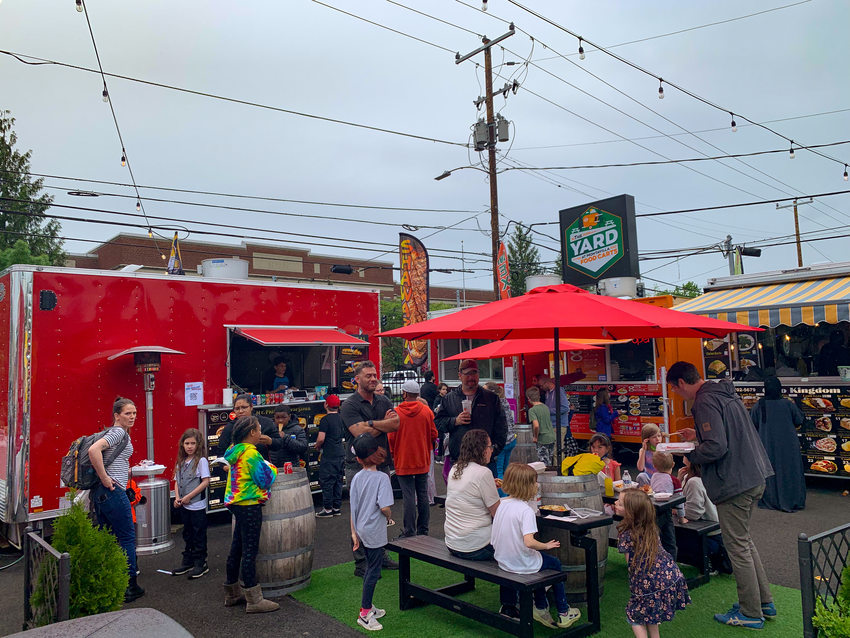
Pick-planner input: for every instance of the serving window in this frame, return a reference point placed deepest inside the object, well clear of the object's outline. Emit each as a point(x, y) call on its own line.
point(632, 361)
point(488, 369)
point(804, 350)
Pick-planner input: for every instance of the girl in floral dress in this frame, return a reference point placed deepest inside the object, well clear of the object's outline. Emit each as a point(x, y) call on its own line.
point(657, 586)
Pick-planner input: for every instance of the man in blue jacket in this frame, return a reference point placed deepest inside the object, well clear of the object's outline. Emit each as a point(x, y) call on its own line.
point(734, 467)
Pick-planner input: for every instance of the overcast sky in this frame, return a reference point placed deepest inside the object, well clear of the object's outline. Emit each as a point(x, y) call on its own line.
point(788, 63)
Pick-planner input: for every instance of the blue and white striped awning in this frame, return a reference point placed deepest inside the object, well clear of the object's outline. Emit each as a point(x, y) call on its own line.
point(789, 304)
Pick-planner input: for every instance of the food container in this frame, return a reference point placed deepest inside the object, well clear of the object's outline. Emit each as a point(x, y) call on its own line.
point(687, 446)
point(844, 372)
point(662, 496)
point(546, 510)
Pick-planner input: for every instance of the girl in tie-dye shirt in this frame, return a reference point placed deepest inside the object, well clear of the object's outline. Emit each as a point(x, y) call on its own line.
point(248, 482)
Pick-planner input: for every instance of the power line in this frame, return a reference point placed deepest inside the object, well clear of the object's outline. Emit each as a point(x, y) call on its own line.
point(277, 109)
point(766, 201)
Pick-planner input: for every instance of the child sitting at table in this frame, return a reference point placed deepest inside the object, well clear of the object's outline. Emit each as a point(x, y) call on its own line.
point(650, 436)
point(516, 549)
point(600, 445)
point(658, 589)
point(664, 482)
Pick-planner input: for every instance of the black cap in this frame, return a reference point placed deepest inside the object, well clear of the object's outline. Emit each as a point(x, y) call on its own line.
point(365, 446)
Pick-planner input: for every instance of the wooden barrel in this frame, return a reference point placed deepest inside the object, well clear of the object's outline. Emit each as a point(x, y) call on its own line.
point(525, 450)
point(285, 558)
point(575, 491)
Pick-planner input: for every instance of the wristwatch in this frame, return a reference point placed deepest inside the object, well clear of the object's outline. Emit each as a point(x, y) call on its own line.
point(371, 423)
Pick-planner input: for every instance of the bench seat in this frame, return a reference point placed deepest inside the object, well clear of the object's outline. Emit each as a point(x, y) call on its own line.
point(691, 539)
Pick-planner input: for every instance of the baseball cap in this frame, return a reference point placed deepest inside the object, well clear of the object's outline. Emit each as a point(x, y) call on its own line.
point(365, 446)
point(467, 365)
point(410, 386)
point(332, 400)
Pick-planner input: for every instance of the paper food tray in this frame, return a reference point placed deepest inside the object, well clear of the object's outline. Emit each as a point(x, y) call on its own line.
point(538, 466)
point(585, 512)
point(675, 447)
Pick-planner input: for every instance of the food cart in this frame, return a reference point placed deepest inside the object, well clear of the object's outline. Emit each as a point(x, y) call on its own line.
point(806, 316)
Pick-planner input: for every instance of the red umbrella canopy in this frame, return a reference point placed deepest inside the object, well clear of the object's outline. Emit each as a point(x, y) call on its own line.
point(511, 347)
point(575, 313)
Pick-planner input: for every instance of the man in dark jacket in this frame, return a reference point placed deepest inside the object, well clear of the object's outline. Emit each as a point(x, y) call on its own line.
point(734, 467)
point(293, 439)
point(485, 414)
point(429, 390)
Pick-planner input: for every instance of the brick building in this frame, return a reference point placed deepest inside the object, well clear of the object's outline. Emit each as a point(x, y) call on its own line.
point(265, 261)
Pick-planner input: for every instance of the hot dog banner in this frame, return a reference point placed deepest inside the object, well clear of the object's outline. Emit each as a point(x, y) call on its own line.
point(414, 294)
point(504, 272)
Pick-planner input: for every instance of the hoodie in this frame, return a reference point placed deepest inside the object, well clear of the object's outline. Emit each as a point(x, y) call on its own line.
point(728, 450)
point(250, 476)
point(413, 442)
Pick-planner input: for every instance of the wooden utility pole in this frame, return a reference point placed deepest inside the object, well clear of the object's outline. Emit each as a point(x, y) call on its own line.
point(491, 145)
point(796, 227)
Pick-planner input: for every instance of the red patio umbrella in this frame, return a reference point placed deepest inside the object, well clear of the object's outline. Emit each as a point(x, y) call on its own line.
point(549, 311)
point(511, 347)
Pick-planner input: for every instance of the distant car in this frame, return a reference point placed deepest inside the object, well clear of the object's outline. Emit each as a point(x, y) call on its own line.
point(400, 376)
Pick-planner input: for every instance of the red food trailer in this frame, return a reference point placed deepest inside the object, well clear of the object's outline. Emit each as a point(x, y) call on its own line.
point(60, 327)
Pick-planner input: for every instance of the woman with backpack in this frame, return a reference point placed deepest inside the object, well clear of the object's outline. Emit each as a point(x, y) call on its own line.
point(109, 497)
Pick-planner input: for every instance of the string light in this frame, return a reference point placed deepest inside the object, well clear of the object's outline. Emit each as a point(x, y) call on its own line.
point(734, 124)
point(80, 6)
point(581, 55)
point(123, 157)
point(660, 89)
point(138, 205)
point(845, 172)
point(484, 5)
point(105, 94)
point(791, 152)
point(150, 233)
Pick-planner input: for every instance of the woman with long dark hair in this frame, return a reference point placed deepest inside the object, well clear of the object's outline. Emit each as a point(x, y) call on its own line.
point(776, 418)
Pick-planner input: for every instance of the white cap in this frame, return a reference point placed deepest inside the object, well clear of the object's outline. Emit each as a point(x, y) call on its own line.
point(410, 386)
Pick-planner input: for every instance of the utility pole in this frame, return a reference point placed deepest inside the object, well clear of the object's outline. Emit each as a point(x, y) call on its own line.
point(796, 227)
point(491, 144)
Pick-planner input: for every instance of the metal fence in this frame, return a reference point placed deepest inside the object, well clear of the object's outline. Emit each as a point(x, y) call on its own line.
point(48, 573)
point(822, 557)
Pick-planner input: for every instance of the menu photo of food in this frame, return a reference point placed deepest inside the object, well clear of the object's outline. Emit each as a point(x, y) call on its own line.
point(819, 403)
point(826, 465)
point(825, 444)
point(716, 356)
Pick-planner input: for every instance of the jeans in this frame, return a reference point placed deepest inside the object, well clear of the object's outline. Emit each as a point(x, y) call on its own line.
point(374, 560)
point(417, 512)
point(330, 480)
point(195, 536)
point(114, 512)
point(503, 460)
point(750, 577)
point(509, 596)
point(485, 553)
point(245, 545)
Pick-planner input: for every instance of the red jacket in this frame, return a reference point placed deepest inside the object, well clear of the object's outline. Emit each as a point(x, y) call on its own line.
point(412, 444)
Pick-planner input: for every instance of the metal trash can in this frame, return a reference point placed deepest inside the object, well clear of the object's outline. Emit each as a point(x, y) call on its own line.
point(153, 515)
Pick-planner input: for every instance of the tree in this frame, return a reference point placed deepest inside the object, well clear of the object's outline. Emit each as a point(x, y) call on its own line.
point(22, 204)
point(20, 254)
point(523, 259)
point(688, 289)
point(392, 348)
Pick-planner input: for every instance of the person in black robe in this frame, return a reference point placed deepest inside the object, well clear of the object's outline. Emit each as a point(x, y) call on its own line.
point(775, 419)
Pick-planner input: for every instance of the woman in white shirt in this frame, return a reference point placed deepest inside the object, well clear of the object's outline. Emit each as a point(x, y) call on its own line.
point(471, 499)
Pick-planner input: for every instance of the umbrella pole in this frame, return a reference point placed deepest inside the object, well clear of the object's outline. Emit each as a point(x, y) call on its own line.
point(522, 388)
point(559, 456)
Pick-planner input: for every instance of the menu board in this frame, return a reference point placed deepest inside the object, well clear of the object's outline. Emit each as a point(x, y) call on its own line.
point(590, 362)
point(747, 354)
point(825, 433)
point(347, 358)
point(715, 353)
point(309, 414)
point(639, 404)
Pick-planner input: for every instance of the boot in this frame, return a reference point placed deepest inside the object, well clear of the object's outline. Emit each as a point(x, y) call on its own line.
point(133, 590)
point(256, 603)
point(233, 595)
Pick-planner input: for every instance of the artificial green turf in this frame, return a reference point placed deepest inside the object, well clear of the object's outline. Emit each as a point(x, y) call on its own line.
point(335, 591)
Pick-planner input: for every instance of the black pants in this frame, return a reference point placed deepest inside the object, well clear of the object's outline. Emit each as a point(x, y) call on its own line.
point(374, 560)
point(330, 480)
point(246, 542)
point(195, 536)
point(414, 494)
point(667, 532)
point(351, 469)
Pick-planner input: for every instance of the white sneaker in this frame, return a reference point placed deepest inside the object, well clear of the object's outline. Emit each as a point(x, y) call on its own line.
point(572, 615)
point(369, 621)
point(543, 617)
point(379, 613)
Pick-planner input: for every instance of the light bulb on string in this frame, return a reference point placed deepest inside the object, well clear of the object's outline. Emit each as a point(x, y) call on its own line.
point(734, 124)
point(105, 94)
point(162, 256)
point(660, 89)
point(845, 172)
point(484, 5)
point(581, 55)
point(123, 157)
point(80, 6)
point(138, 205)
point(150, 233)
point(791, 151)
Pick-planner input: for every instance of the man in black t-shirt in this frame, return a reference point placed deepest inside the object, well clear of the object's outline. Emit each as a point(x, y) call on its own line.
point(366, 412)
point(329, 442)
point(429, 390)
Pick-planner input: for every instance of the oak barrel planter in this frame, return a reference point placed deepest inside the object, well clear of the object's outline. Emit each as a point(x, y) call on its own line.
point(525, 450)
point(285, 557)
point(575, 491)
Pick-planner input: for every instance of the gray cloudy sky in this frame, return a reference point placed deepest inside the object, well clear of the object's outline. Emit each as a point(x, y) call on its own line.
point(787, 64)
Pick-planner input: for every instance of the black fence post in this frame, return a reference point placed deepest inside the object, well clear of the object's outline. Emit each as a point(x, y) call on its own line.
point(63, 594)
point(807, 588)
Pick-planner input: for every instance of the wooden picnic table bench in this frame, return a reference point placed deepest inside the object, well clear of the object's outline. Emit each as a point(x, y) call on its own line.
point(692, 541)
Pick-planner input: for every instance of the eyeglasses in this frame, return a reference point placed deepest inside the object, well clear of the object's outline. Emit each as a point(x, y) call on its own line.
point(489, 447)
point(241, 408)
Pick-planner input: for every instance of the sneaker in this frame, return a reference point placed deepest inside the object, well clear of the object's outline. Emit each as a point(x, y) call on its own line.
point(389, 563)
point(768, 610)
point(133, 592)
point(360, 572)
point(509, 610)
point(337, 512)
point(379, 613)
point(543, 617)
point(565, 620)
point(735, 618)
point(324, 513)
point(179, 571)
point(369, 621)
point(199, 570)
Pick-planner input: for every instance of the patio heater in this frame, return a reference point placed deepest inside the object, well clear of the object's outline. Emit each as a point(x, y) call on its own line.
point(153, 513)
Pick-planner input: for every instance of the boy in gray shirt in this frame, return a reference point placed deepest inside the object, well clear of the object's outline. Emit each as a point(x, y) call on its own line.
point(371, 497)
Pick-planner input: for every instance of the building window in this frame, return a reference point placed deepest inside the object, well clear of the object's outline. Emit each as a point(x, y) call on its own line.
point(488, 369)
